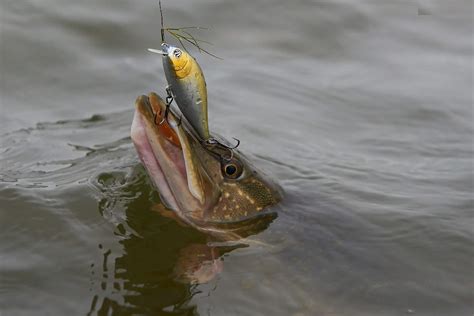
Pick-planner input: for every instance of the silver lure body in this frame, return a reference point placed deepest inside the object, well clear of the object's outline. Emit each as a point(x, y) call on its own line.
point(189, 91)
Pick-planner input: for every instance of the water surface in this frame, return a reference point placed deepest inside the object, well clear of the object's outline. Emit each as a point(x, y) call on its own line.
point(361, 110)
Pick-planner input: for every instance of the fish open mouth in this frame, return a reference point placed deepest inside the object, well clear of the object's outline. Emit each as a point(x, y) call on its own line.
point(166, 150)
point(172, 152)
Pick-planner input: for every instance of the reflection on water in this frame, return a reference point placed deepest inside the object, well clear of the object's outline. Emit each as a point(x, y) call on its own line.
point(162, 262)
point(141, 280)
point(361, 110)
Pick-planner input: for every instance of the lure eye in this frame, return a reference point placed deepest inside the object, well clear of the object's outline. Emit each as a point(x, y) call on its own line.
point(177, 53)
point(232, 169)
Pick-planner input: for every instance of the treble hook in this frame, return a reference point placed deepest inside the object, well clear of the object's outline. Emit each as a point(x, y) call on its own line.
point(213, 141)
point(155, 115)
point(237, 145)
point(169, 100)
point(231, 150)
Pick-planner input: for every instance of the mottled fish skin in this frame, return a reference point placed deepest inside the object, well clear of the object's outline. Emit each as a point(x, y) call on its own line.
point(188, 87)
point(205, 188)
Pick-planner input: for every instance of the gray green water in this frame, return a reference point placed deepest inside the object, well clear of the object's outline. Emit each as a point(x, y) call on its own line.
point(361, 110)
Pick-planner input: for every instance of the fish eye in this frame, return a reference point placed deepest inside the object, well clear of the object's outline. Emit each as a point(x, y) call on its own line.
point(232, 169)
point(177, 52)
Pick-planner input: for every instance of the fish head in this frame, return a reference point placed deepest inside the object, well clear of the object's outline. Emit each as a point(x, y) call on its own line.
point(208, 185)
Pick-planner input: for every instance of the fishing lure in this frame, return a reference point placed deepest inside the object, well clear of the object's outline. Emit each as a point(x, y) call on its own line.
point(188, 87)
point(186, 83)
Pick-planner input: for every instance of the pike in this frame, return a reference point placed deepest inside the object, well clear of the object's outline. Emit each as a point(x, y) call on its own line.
point(205, 188)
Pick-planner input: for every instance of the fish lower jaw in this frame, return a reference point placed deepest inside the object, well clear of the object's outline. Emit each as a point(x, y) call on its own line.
point(149, 161)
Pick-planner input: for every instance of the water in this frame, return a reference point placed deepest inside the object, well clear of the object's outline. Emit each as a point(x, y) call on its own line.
point(361, 110)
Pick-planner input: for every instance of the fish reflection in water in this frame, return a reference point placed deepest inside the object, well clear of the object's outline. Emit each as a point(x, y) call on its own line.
point(161, 263)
